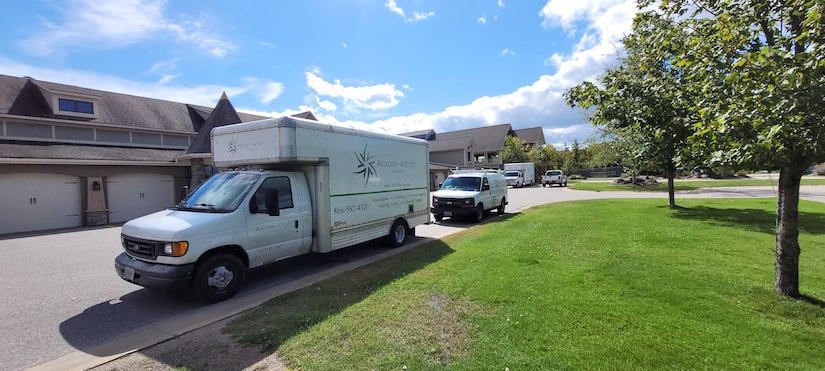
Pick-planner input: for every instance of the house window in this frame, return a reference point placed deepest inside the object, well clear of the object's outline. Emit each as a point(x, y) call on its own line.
point(145, 138)
point(71, 105)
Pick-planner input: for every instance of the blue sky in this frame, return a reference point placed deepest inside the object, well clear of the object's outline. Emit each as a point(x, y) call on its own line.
point(389, 66)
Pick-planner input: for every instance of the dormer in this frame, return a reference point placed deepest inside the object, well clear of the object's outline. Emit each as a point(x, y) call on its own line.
point(72, 104)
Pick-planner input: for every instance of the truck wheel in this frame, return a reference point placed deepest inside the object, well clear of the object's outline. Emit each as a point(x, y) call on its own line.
point(438, 217)
point(479, 214)
point(501, 207)
point(398, 233)
point(218, 278)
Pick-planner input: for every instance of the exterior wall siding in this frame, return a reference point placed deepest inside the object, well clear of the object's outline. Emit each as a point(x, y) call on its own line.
point(455, 158)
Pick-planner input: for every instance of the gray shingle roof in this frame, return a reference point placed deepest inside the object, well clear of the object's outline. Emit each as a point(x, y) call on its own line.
point(531, 135)
point(440, 145)
point(81, 152)
point(485, 138)
point(24, 96)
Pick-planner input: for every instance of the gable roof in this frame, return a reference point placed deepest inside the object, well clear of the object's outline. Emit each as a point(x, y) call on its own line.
point(223, 114)
point(440, 145)
point(428, 134)
point(308, 115)
point(532, 135)
point(485, 138)
point(27, 97)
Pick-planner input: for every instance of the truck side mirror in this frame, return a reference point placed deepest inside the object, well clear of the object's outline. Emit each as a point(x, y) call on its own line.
point(272, 207)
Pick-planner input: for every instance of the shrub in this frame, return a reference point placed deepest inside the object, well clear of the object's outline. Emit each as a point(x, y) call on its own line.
point(576, 177)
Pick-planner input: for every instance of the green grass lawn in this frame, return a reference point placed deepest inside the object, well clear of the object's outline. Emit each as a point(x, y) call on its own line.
point(681, 185)
point(612, 284)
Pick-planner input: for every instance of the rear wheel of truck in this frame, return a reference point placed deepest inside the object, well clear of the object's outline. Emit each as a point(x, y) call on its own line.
point(398, 233)
point(218, 278)
point(501, 207)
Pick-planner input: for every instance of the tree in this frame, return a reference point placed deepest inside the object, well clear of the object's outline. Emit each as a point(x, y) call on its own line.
point(645, 93)
point(514, 150)
point(627, 147)
point(760, 68)
point(544, 158)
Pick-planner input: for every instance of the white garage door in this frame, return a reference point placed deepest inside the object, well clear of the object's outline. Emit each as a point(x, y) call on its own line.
point(134, 195)
point(35, 201)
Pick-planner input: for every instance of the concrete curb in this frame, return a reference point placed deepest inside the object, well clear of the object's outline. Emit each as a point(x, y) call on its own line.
point(174, 327)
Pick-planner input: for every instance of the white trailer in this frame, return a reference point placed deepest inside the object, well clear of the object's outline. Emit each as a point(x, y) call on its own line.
point(302, 187)
point(528, 170)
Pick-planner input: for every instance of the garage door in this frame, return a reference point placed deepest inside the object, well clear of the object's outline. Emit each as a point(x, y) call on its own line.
point(35, 201)
point(134, 195)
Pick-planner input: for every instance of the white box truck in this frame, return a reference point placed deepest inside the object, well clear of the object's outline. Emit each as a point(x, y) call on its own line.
point(305, 187)
point(520, 174)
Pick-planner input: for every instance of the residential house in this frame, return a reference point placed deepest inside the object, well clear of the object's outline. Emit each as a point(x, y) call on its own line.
point(72, 156)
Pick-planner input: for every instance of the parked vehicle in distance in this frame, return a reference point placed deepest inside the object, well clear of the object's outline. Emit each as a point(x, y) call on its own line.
point(528, 173)
point(554, 177)
point(470, 194)
point(514, 178)
point(314, 188)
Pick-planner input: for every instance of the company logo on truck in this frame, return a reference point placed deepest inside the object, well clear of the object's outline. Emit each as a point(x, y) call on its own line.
point(232, 146)
point(366, 165)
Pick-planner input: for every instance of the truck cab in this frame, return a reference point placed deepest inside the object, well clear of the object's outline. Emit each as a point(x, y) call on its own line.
point(515, 178)
point(234, 221)
point(470, 194)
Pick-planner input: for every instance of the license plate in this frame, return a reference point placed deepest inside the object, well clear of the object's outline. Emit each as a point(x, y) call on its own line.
point(129, 273)
point(448, 213)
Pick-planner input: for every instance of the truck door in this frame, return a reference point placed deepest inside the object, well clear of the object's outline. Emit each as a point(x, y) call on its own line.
point(273, 237)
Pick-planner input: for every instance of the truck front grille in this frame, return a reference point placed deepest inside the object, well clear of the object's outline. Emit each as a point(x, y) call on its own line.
point(450, 203)
point(141, 248)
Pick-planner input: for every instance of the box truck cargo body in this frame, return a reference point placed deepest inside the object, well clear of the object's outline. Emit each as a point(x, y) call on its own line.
point(301, 187)
point(527, 170)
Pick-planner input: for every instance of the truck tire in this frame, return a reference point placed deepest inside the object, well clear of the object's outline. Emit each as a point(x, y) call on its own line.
point(501, 207)
point(218, 277)
point(398, 233)
point(478, 216)
point(438, 217)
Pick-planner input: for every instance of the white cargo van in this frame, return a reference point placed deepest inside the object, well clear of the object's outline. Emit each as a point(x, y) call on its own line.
point(470, 193)
point(520, 174)
point(306, 187)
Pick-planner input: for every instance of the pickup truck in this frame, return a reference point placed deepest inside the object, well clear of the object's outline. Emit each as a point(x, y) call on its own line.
point(554, 177)
point(470, 194)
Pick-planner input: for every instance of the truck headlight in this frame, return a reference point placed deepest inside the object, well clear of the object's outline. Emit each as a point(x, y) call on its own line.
point(176, 248)
point(469, 201)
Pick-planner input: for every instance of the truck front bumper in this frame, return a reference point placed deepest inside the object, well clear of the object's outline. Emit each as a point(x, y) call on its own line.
point(153, 275)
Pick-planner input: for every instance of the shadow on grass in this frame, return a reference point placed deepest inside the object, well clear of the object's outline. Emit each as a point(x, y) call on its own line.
point(750, 219)
point(812, 300)
point(281, 318)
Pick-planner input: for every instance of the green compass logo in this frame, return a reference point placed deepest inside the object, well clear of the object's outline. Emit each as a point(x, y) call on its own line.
point(366, 165)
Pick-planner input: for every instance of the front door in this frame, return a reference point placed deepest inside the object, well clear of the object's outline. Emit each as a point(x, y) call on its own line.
point(277, 237)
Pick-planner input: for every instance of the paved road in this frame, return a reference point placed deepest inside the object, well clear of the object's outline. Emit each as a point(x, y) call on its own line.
point(59, 292)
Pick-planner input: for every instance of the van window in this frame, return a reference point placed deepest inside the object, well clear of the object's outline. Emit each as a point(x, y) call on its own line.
point(485, 183)
point(281, 184)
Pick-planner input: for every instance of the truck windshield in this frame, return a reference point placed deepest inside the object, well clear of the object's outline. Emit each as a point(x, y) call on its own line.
point(462, 184)
point(512, 173)
point(220, 193)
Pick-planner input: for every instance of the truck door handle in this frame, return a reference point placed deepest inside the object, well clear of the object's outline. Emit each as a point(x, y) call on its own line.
point(296, 224)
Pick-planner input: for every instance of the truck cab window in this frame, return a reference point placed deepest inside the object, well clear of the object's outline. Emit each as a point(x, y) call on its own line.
point(485, 184)
point(281, 184)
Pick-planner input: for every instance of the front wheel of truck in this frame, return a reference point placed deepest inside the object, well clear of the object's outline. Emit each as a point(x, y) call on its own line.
point(218, 277)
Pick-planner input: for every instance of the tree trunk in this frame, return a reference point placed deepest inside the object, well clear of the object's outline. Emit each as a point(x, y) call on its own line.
point(671, 189)
point(787, 232)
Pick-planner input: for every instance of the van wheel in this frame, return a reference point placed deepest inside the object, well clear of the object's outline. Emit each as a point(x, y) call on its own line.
point(398, 233)
point(218, 278)
point(479, 214)
point(501, 207)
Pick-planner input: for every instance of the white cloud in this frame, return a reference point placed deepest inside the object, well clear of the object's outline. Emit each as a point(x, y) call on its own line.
point(393, 7)
point(372, 97)
point(344, 44)
point(111, 24)
point(167, 78)
point(482, 20)
point(266, 44)
point(325, 104)
point(204, 94)
point(500, 3)
point(271, 91)
point(164, 65)
point(505, 52)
